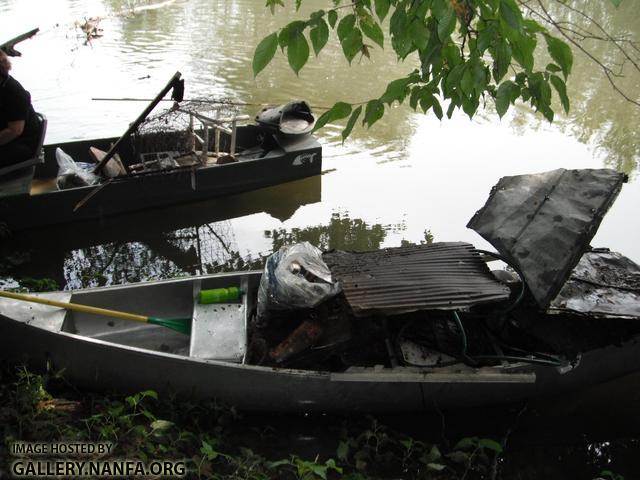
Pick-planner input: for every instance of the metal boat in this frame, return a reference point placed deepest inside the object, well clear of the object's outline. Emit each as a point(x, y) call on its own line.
point(217, 157)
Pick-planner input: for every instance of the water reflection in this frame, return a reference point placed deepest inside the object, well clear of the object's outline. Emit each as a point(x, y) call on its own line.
point(598, 115)
point(163, 243)
point(205, 241)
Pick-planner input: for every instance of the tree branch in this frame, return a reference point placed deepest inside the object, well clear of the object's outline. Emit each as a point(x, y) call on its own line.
point(607, 70)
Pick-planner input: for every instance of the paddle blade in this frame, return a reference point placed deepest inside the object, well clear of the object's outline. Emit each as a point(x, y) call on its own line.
point(182, 325)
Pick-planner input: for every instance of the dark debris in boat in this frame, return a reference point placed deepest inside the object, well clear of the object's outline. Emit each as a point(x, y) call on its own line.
point(604, 284)
point(332, 337)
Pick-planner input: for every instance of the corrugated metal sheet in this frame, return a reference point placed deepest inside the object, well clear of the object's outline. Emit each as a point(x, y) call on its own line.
point(441, 276)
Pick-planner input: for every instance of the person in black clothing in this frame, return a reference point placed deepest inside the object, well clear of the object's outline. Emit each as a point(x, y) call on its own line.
point(19, 126)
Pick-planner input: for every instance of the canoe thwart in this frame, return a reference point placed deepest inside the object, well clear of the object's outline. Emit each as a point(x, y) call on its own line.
point(218, 330)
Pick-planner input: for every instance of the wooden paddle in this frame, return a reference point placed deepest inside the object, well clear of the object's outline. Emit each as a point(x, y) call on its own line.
point(182, 325)
point(9, 45)
point(174, 82)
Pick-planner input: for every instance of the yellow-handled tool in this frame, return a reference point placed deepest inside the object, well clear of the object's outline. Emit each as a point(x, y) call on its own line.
point(182, 325)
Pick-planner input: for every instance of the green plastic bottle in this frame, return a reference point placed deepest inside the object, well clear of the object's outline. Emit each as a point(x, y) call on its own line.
point(219, 295)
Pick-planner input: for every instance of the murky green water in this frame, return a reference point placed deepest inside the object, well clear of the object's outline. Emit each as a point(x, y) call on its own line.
point(407, 177)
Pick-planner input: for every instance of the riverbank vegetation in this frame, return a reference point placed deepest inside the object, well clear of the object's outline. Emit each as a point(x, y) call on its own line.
point(216, 441)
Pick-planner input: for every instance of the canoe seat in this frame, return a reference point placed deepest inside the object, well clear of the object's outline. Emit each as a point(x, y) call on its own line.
point(218, 330)
point(37, 157)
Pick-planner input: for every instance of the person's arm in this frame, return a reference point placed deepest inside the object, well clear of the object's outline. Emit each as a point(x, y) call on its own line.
point(14, 130)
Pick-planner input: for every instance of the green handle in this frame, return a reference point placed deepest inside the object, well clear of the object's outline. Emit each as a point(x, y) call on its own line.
point(219, 295)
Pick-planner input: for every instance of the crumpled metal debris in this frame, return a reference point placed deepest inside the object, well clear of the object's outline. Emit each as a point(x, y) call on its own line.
point(604, 284)
point(543, 223)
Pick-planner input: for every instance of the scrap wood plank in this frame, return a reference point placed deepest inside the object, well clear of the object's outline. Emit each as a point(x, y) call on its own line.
point(113, 167)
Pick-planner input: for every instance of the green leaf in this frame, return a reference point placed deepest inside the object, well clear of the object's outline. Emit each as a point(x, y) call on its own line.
point(434, 454)
point(470, 105)
point(458, 457)
point(436, 467)
point(561, 54)
point(489, 444)
point(552, 67)
point(338, 111)
point(346, 25)
point(493, 4)
point(264, 53)
point(561, 88)
point(502, 59)
point(426, 101)
point(333, 18)
point(345, 133)
point(503, 97)
point(453, 78)
point(616, 2)
point(446, 25)
point(531, 26)
point(297, 51)
point(486, 36)
point(420, 34)
point(352, 44)
point(287, 32)
point(382, 8)
point(396, 91)
point(272, 5)
point(466, 83)
point(437, 109)
point(161, 425)
point(372, 30)
point(451, 108)
point(208, 450)
point(277, 463)
point(149, 393)
point(319, 36)
point(415, 96)
point(373, 112)
point(510, 13)
point(343, 447)
point(522, 48)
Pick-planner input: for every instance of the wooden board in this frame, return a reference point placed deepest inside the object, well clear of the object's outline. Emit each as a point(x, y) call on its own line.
point(113, 167)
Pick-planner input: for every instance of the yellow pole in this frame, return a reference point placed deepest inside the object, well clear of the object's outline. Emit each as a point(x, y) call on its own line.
point(75, 306)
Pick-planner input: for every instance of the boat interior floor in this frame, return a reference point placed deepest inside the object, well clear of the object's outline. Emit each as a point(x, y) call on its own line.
point(43, 185)
point(149, 337)
point(16, 183)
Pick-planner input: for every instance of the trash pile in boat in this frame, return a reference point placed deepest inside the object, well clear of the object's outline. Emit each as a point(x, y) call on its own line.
point(440, 304)
point(191, 133)
point(166, 141)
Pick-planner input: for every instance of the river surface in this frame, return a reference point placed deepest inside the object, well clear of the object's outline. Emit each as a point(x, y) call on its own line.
point(409, 178)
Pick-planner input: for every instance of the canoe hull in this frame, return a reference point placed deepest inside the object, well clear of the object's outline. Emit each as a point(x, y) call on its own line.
point(92, 362)
point(140, 192)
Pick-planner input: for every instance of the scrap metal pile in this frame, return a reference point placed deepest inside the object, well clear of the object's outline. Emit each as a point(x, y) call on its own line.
point(439, 304)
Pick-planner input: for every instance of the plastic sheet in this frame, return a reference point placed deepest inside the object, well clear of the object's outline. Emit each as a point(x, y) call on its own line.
point(72, 174)
point(294, 277)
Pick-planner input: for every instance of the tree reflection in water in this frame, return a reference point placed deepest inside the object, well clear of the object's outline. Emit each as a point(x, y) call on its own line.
point(209, 248)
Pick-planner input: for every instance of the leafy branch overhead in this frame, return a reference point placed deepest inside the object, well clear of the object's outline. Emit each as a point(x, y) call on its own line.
point(468, 51)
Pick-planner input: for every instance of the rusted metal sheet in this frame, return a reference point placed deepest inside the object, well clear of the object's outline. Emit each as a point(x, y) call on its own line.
point(440, 276)
point(543, 223)
point(604, 284)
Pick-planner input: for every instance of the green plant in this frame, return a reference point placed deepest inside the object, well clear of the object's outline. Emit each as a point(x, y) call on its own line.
point(469, 53)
